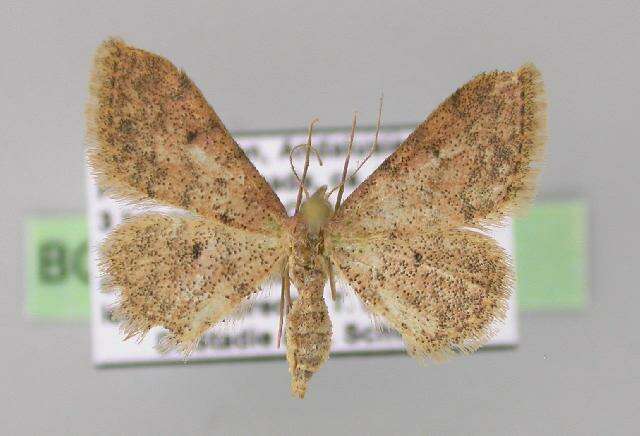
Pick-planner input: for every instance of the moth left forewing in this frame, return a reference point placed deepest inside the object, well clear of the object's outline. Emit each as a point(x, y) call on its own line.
point(442, 290)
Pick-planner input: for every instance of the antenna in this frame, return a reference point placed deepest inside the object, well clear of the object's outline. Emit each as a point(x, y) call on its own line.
point(345, 169)
point(340, 186)
point(306, 165)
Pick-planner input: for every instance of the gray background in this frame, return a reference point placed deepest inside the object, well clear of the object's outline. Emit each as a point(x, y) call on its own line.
point(266, 66)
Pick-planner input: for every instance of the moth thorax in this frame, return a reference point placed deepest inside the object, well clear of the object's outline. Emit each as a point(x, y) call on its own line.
point(316, 211)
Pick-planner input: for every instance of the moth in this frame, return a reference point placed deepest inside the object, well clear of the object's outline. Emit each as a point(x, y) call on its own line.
point(407, 240)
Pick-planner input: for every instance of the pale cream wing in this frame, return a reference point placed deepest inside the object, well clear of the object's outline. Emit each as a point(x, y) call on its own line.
point(154, 138)
point(469, 164)
point(183, 273)
point(441, 290)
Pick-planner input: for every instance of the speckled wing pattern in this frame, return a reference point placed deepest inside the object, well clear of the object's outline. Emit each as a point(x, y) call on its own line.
point(441, 289)
point(184, 274)
point(402, 239)
point(153, 139)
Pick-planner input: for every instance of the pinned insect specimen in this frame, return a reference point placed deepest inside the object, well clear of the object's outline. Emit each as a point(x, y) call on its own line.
point(405, 240)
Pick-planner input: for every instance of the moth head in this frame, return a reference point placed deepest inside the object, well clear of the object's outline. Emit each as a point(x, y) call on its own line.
point(316, 210)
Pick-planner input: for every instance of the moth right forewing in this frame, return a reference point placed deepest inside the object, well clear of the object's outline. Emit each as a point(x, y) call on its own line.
point(470, 163)
point(183, 273)
point(441, 290)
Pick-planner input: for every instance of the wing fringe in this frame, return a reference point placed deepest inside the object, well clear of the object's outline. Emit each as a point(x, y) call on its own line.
point(100, 73)
point(534, 133)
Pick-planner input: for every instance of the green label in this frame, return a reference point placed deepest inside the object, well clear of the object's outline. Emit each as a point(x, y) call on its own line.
point(57, 274)
point(551, 258)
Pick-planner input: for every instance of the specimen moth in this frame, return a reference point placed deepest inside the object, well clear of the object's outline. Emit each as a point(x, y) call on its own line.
point(406, 241)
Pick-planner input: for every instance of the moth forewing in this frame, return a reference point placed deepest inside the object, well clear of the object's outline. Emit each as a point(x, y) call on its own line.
point(470, 163)
point(154, 138)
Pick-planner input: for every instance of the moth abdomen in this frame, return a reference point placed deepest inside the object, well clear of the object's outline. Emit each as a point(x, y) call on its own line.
point(308, 336)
